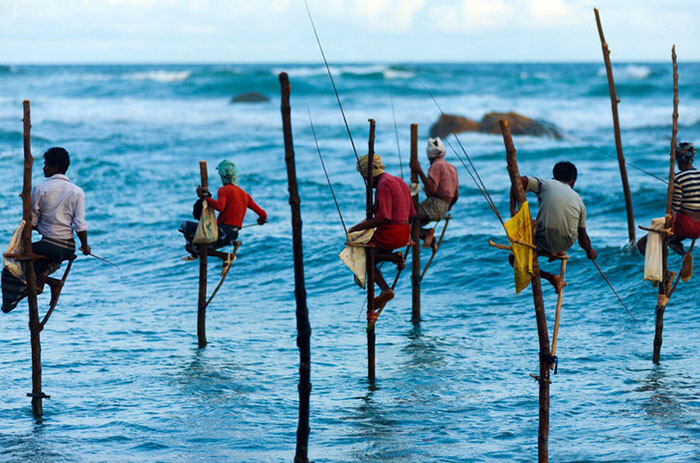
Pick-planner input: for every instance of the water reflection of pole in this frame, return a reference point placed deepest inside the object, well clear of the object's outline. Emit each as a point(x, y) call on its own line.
point(614, 100)
point(302, 313)
point(543, 335)
point(371, 337)
point(34, 326)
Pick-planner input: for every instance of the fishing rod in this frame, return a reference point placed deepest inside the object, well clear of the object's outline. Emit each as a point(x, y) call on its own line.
point(103, 260)
point(613, 289)
point(335, 90)
point(396, 129)
point(323, 164)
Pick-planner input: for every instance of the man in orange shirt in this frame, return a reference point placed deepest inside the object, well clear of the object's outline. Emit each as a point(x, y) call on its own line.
point(232, 204)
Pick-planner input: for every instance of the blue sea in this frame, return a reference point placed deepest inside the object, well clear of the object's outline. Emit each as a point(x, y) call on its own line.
point(120, 357)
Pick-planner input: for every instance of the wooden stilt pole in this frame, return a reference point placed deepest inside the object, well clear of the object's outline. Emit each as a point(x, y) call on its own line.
point(34, 326)
point(415, 231)
point(302, 313)
point(371, 338)
point(666, 286)
point(203, 252)
point(614, 100)
point(545, 358)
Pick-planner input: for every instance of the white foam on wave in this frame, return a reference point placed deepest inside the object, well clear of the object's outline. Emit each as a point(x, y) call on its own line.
point(358, 70)
point(160, 75)
point(631, 71)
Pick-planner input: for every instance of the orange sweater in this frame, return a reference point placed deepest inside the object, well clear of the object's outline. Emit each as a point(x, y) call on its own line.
point(232, 204)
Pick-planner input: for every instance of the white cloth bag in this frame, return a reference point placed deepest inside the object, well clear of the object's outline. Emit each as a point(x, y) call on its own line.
point(207, 229)
point(15, 247)
point(355, 258)
point(653, 257)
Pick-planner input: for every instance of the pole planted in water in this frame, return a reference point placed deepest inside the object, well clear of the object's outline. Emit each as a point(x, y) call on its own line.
point(614, 100)
point(415, 231)
point(302, 312)
point(371, 337)
point(545, 357)
point(203, 252)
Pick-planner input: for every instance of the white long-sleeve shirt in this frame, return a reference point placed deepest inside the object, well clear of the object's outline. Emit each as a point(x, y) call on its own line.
point(58, 208)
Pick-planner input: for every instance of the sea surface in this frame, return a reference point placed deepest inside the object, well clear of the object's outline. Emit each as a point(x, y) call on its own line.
point(120, 357)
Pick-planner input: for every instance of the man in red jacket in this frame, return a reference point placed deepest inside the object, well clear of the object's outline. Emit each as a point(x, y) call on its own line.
point(392, 210)
point(232, 204)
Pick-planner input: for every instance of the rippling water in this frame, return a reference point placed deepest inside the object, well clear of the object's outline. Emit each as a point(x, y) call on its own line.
point(120, 356)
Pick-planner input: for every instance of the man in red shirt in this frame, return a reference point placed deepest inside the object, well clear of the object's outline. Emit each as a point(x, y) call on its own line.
point(392, 210)
point(232, 204)
point(441, 187)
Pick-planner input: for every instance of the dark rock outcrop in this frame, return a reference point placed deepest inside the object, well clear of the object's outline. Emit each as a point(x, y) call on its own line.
point(519, 125)
point(449, 123)
point(250, 97)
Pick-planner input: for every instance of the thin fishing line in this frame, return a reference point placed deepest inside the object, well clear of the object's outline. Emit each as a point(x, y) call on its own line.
point(335, 90)
point(396, 128)
point(323, 164)
point(613, 289)
point(192, 174)
point(588, 145)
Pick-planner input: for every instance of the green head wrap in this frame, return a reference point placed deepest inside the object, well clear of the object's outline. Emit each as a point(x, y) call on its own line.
point(228, 172)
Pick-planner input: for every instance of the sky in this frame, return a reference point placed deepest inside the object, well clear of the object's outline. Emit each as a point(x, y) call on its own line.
point(237, 31)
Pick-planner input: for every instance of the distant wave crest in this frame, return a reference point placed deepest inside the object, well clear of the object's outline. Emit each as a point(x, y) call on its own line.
point(365, 71)
point(160, 76)
point(631, 72)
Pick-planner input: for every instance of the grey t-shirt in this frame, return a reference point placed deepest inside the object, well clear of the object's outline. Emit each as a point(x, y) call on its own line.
point(561, 213)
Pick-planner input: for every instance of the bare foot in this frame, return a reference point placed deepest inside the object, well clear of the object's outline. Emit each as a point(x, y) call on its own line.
point(434, 245)
point(429, 238)
point(399, 261)
point(558, 283)
point(55, 286)
point(687, 269)
point(381, 300)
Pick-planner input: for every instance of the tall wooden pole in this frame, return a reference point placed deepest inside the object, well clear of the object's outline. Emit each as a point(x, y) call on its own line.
point(415, 232)
point(34, 325)
point(203, 252)
point(614, 100)
point(371, 338)
point(545, 358)
point(302, 313)
point(666, 285)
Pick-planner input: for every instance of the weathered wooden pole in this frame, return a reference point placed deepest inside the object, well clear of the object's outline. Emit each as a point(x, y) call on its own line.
point(614, 100)
point(371, 338)
point(302, 313)
point(203, 252)
point(666, 284)
point(545, 358)
point(34, 325)
point(415, 232)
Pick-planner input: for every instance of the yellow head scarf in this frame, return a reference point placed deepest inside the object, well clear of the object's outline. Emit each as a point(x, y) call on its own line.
point(377, 166)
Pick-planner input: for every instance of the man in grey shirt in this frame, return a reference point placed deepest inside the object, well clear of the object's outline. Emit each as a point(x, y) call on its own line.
point(561, 218)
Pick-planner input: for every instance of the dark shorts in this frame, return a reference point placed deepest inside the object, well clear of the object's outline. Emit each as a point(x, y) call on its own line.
point(55, 251)
point(227, 235)
point(685, 227)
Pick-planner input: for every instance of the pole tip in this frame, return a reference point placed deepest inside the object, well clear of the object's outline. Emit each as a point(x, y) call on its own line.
point(284, 77)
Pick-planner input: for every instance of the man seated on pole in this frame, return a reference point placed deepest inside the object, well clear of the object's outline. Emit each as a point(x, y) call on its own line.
point(561, 218)
point(392, 210)
point(58, 210)
point(686, 205)
point(232, 204)
point(441, 187)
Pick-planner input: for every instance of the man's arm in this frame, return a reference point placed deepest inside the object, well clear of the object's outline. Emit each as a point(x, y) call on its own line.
point(585, 242)
point(368, 223)
point(262, 215)
point(80, 225)
point(455, 197)
point(84, 247)
point(428, 184)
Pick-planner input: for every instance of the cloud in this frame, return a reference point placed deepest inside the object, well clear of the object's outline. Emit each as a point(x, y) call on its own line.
point(397, 16)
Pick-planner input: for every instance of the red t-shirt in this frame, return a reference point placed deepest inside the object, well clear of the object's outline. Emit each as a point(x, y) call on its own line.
point(392, 200)
point(232, 205)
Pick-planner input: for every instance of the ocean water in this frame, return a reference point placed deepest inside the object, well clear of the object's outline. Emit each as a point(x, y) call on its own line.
point(120, 358)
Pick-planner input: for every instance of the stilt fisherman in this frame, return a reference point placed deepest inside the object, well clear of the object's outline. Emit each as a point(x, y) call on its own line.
point(232, 204)
point(392, 210)
point(58, 210)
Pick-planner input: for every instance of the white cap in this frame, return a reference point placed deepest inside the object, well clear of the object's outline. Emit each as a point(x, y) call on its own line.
point(435, 148)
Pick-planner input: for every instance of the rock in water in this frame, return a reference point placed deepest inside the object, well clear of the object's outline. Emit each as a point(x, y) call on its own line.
point(250, 97)
point(449, 123)
point(519, 125)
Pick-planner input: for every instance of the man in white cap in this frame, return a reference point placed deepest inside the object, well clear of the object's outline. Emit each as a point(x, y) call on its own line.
point(441, 187)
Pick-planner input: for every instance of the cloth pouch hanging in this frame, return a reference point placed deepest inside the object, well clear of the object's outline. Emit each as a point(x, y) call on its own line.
point(519, 228)
point(207, 229)
point(653, 257)
point(15, 247)
point(356, 257)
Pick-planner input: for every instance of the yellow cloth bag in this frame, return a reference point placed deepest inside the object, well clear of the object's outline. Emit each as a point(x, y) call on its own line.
point(519, 228)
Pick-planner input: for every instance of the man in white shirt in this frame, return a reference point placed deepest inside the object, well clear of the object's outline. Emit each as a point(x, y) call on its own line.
point(58, 210)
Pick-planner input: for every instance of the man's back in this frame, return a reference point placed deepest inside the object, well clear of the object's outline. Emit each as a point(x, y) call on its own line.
point(58, 208)
point(445, 177)
point(393, 200)
point(686, 191)
point(561, 213)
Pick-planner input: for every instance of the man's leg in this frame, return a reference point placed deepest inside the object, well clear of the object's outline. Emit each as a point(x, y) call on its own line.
point(554, 280)
point(676, 243)
point(642, 244)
